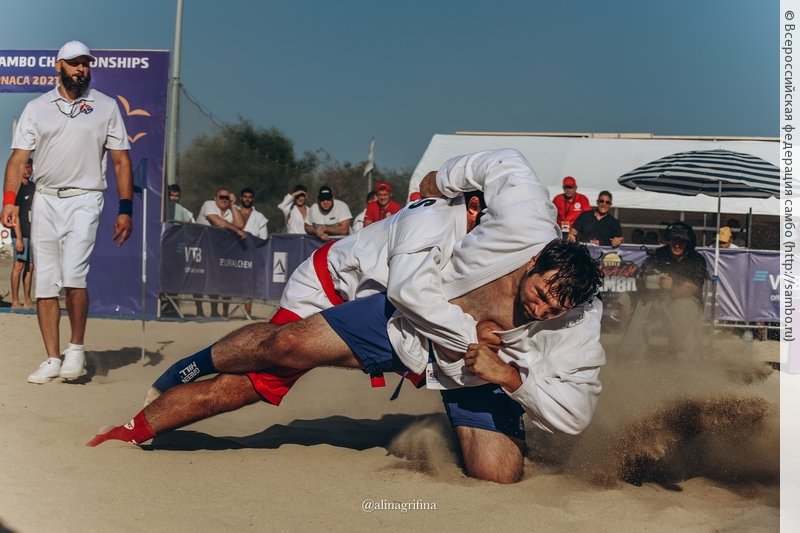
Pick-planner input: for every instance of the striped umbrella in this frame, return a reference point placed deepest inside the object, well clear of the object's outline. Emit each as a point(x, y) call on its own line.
point(720, 173)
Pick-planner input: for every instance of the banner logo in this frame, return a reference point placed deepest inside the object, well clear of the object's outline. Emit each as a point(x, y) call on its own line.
point(279, 261)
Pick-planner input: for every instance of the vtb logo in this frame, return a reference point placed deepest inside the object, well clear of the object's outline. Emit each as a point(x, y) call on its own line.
point(763, 275)
point(194, 253)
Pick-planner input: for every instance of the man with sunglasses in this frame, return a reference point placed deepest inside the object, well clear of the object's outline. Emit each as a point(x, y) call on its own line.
point(220, 212)
point(570, 204)
point(597, 226)
point(72, 128)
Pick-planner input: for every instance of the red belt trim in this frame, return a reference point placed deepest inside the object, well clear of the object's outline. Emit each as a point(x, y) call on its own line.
point(320, 260)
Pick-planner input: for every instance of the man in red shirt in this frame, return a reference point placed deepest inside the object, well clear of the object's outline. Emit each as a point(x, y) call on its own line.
point(383, 207)
point(570, 204)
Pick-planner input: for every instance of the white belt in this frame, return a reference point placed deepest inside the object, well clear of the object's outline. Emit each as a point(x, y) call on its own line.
point(64, 192)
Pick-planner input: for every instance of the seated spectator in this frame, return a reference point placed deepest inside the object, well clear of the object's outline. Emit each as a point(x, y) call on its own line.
point(255, 223)
point(294, 209)
point(358, 222)
point(726, 238)
point(682, 272)
point(383, 206)
point(597, 226)
point(328, 217)
point(175, 211)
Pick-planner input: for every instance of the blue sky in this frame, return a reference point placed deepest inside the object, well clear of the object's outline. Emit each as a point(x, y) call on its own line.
point(332, 74)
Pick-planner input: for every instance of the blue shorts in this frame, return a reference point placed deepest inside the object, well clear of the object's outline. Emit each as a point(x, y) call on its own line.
point(485, 407)
point(361, 324)
point(27, 254)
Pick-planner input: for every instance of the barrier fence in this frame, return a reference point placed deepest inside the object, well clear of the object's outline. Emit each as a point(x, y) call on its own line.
point(198, 259)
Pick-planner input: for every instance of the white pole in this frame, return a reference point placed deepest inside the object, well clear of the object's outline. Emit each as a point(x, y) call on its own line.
point(714, 278)
point(172, 112)
point(144, 267)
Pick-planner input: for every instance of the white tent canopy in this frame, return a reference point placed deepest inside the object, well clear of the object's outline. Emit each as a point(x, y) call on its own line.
point(597, 162)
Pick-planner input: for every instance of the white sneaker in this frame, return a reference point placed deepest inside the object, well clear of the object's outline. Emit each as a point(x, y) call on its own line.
point(74, 365)
point(48, 370)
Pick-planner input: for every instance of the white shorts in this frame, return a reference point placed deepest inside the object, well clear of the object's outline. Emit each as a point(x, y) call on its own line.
point(63, 232)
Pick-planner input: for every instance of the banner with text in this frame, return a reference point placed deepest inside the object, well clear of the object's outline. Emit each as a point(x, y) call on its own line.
point(138, 81)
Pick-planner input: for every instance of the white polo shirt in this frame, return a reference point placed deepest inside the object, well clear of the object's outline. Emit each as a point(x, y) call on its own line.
point(210, 208)
point(71, 138)
point(339, 212)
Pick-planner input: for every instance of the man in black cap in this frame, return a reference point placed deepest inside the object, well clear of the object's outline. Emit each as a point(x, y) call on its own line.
point(328, 217)
point(683, 272)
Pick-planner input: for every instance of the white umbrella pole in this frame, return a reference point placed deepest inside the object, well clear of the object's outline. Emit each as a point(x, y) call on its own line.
point(715, 277)
point(144, 265)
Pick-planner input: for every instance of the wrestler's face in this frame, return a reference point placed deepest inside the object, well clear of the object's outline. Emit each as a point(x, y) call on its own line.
point(535, 300)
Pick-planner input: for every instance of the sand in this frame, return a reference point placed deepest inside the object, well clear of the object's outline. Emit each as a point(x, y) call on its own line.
point(673, 447)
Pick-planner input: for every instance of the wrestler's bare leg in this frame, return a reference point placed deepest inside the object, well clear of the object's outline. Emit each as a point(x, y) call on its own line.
point(489, 455)
point(302, 345)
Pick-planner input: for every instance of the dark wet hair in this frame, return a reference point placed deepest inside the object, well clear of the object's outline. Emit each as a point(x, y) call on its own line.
point(247, 190)
point(174, 188)
point(578, 276)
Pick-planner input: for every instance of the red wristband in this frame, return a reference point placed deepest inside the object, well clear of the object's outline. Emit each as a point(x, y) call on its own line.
point(9, 198)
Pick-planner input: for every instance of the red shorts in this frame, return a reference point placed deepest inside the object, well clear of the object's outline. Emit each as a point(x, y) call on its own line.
point(272, 386)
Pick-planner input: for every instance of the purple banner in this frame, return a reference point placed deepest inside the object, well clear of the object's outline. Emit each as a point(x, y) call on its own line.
point(747, 288)
point(198, 259)
point(137, 80)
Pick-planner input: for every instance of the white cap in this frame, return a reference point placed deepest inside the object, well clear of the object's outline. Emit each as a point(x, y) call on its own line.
point(74, 49)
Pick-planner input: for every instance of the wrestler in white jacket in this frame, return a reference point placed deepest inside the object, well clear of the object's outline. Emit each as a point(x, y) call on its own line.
point(559, 360)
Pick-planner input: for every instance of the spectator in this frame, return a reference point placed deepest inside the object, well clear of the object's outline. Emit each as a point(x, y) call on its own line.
point(597, 226)
point(383, 207)
point(637, 236)
point(682, 272)
point(358, 222)
point(328, 217)
point(175, 211)
point(21, 241)
point(726, 238)
point(294, 209)
point(220, 212)
point(255, 223)
point(570, 204)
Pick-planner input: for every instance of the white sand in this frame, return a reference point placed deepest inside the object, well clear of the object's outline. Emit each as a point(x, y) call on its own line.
point(335, 442)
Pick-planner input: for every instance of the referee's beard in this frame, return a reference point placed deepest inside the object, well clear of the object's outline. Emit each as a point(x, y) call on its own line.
point(77, 84)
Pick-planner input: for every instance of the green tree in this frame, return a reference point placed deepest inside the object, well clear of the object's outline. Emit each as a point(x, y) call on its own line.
point(242, 155)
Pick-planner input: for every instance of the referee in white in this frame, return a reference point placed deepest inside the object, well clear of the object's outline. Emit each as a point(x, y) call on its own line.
point(71, 128)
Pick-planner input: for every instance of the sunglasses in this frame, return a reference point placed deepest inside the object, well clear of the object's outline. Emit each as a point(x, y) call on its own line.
point(603, 202)
point(224, 197)
point(568, 187)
